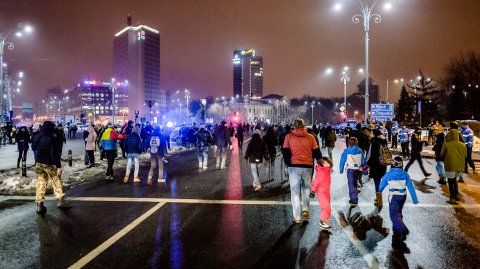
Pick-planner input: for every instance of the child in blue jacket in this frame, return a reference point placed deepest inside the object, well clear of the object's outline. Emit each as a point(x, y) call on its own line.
point(398, 181)
point(352, 160)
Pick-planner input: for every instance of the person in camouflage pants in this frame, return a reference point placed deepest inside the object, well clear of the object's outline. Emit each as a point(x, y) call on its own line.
point(48, 167)
point(44, 173)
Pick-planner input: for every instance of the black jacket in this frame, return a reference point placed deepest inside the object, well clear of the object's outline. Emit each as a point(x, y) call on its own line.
point(46, 145)
point(23, 139)
point(133, 143)
point(256, 150)
point(221, 136)
point(204, 138)
point(377, 170)
point(272, 142)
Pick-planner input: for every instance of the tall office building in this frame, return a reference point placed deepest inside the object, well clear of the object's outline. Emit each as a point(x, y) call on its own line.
point(136, 59)
point(247, 74)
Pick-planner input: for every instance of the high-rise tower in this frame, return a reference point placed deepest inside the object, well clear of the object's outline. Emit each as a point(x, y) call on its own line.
point(247, 74)
point(136, 58)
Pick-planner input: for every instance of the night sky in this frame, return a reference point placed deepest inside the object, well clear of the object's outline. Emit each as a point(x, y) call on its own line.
point(298, 40)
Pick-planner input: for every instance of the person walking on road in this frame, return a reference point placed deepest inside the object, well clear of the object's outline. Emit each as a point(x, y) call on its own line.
point(271, 140)
point(60, 135)
point(222, 140)
point(404, 139)
point(204, 141)
point(158, 148)
point(398, 182)
point(362, 138)
point(394, 134)
point(321, 187)
point(439, 166)
point(90, 145)
point(48, 167)
point(133, 148)
point(239, 136)
point(35, 132)
point(352, 161)
point(109, 144)
point(299, 151)
point(417, 145)
point(377, 169)
point(467, 134)
point(22, 138)
point(255, 153)
point(454, 153)
point(330, 138)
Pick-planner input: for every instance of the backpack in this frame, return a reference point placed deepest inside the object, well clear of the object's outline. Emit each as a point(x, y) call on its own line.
point(154, 144)
point(384, 155)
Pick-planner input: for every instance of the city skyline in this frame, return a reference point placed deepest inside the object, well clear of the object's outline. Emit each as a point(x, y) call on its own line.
point(297, 39)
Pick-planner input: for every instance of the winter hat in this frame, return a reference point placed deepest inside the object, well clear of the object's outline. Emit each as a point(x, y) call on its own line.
point(397, 162)
point(109, 124)
point(224, 122)
point(299, 123)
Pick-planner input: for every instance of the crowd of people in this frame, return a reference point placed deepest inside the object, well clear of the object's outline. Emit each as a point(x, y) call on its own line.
point(366, 154)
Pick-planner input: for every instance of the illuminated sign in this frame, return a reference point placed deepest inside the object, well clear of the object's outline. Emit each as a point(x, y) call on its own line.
point(141, 35)
point(90, 82)
point(236, 59)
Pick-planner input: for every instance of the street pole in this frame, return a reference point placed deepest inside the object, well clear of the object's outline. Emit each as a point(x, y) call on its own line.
point(387, 91)
point(345, 78)
point(113, 101)
point(366, 15)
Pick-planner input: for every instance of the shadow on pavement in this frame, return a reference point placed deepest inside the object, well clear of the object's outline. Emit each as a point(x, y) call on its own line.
point(284, 252)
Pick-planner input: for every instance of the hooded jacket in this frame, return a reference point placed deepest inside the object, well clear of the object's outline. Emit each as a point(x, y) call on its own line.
point(352, 157)
point(467, 134)
point(300, 148)
point(91, 138)
point(454, 153)
point(46, 146)
point(22, 138)
point(398, 181)
point(256, 150)
point(322, 180)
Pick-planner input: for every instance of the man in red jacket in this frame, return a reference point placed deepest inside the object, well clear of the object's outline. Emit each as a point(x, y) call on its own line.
point(299, 151)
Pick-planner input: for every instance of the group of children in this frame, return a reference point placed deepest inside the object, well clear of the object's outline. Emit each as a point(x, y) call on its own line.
point(353, 162)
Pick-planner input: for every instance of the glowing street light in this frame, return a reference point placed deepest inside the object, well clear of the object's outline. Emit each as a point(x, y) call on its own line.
point(366, 14)
point(10, 46)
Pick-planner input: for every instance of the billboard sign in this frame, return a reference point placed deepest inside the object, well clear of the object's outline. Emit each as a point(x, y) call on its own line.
point(381, 112)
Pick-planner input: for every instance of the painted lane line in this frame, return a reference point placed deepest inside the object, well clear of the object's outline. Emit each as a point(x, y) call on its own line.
point(230, 202)
point(105, 245)
point(347, 229)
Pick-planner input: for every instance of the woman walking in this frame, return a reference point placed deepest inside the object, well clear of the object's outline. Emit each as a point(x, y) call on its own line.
point(330, 138)
point(90, 144)
point(255, 153)
point(377, 169)
point(23, 139)
point(271, 140)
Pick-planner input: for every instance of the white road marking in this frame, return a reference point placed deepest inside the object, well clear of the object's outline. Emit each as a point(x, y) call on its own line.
point(97, 251)
point(229, 202)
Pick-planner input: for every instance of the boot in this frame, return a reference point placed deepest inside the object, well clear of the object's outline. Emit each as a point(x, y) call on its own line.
point(63, 203)
point(398, 244)
point(41, 209)
point(378, 199)
point(442, 181)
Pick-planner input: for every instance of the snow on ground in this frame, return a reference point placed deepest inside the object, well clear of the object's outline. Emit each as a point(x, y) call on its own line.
point(12, 182)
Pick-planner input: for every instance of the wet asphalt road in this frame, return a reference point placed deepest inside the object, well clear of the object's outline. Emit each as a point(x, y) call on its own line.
point(214, 219)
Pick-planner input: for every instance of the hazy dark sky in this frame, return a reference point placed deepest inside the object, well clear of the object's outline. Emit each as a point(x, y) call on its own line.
point(298, 39)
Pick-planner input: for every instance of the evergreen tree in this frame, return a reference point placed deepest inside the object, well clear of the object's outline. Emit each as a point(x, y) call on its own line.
point(461, 83)
point(426, 96)
point(405, 108)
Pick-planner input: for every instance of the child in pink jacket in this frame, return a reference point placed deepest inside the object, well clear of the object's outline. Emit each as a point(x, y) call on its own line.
point(321, 186)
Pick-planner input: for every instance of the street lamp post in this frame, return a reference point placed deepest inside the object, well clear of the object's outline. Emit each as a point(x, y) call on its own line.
point(366, 15)
point(345, 78)
point(187, 98)
point(10, 46)
point(113, 88)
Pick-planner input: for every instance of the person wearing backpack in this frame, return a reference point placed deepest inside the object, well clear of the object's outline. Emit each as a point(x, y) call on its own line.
point(376, 167)
point(352, 161)
point(158, 148)
point(203, 140)
point(417, 145)
point(109, 144)
point(133, 148)
point(255, 153)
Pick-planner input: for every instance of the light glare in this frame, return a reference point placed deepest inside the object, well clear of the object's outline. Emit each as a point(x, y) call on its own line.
point(387, 6)
point(338, 6)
